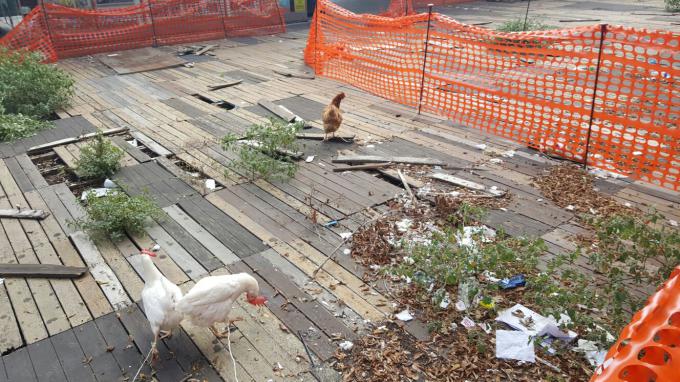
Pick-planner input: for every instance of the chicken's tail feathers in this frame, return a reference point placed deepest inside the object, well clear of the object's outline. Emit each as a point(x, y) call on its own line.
point(336, 100)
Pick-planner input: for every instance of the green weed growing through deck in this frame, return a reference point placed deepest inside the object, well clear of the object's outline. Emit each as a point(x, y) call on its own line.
point(518, 26)
point(264, 158)
point(99, 159)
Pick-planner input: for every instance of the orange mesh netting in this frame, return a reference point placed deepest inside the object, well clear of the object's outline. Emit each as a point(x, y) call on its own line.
point(535, 88)
point(61, 32)
point(648, 349)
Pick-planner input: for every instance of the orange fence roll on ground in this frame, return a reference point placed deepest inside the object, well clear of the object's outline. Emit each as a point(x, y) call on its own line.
point(535, 88)
point(648, 349)
point(62, 32)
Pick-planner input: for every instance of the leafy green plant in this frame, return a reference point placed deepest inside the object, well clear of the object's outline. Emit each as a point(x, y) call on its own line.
point(518, 25)
point(117, 213)
point(99, 159)
point(673, 5)
point(15, 126)
point(262, 150)
point(31, 88)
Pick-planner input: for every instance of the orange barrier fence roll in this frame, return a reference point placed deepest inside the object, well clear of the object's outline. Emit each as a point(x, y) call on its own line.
point(62, 32)
point(537, 88)
point(648, 349)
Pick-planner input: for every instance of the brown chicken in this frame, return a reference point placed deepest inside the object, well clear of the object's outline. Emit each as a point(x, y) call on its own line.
point(332, 116)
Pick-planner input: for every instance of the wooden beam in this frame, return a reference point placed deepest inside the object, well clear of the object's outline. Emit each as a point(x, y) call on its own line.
point(294, 73)
point(394, 175)
point(41, 270)
point(372, 166)
point(24, 214)
point(204, 49)
point(320, 137)
point(49, 145)
point(280, 112)
point(378, 159)
point(460, 182)
point(224, 85)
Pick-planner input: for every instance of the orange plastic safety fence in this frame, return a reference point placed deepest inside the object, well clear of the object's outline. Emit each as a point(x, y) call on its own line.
point(535, 88)
point(61, 32)
point(648, 349)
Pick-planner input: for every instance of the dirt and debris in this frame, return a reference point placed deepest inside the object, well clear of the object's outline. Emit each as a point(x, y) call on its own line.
point(571, 188)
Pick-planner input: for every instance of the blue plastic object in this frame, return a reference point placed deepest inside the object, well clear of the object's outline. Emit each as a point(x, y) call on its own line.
point(513, 282)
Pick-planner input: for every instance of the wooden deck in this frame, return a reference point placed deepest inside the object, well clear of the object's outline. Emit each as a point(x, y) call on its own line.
point(90, 328)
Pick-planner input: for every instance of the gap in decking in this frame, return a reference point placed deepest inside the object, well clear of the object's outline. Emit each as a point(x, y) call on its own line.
point(53, 117)
point(219, 103)
point(132, 141)
point(55, 171)
point(194, 174)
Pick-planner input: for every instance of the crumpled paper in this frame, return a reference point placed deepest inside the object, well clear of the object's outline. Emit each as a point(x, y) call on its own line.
point(540, 325)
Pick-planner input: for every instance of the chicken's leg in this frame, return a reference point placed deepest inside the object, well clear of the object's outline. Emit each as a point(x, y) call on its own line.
point(230, 328)
point(154, 350)
point(325, 136)
point(165, 334)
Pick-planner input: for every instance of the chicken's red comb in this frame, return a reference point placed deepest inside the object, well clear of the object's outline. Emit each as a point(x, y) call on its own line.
point(147, 252)
point(258, 300)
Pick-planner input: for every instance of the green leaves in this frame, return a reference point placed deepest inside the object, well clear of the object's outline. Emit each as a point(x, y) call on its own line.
point(673, 5)
point(31, 88)
point(99, 159)
point(15, 126)
point(262, 157)
point(117, 213)
point(518, 26)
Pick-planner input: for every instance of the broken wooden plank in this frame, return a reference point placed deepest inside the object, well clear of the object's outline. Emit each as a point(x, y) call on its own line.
point(277, 110)
point(406, 186)
point(394, 175)
point(349, 159)
point(372, 166)
point(225, 85)
point(460, 182)
point(205, 49)
point(41, 270)
point(24, 214)
point(49, 145)
point(295, 74)
point(320, 137)
point(151, 144)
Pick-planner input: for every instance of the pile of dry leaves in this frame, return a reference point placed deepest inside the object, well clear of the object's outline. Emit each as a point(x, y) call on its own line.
point(391, 354)
point(569, 185)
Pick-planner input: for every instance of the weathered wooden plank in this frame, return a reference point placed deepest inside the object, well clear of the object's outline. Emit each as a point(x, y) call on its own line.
point(95, 353)
point(123, 348)
point(164, 262)
point(31, 171)
point(3, 374)
point(41, 271)
point(66, 156)
point(45, 362)
point(125, 273)
point(151, 144)
point(294, 73)
point(373, 166)
point(349, 159)
point(18, 173)
point(71, 356)
point(132, 151)
point(277, 110)
point(219, 250)
point(321, 137)
point(14, 213)
point(190, 358)
point(189, 265)
point(101, 272)
point(60, 142)
point(466, 183)
point(224, 85)
point(21, 367)
point(11, 336)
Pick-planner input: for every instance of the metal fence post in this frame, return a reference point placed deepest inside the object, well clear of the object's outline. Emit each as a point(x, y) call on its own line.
point(603, 32)
point(153, 25)
point(223, 5)
point(316, 37)
point(427, 39)
point(526, 16)
point(47, 24)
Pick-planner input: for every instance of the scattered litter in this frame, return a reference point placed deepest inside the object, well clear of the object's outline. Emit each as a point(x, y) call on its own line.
point(509, 154)
point(189, 65)
point(490, 277)
point(593, 354)
point(408, 260)
point(404, 224)
point(2, 281)
point(512, 282)
point(210, 184)
point(133, 143)
point(345, 235)
point(467, 322)
point(446, 301)
point(481, 146)
point(467, 239)
point(496, 160)
point(156, 247)
point(97, 192)
point(453, 327)
point(487, 303)
point(515, 345)
point(460, 306)
point(404, 316)
point(569, 208)
point(108, 183)
point(346, 251)
point(112, 55)
point(673, 222)
point(331, 223)
point(465, 290)
point(346, 345)
point(526, 320)
point(627, 204)
point(604, 174)
point(309, 159)
point(370, 146)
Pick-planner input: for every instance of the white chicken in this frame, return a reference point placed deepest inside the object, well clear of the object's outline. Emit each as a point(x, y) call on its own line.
point(159, 297)
point(209, 302)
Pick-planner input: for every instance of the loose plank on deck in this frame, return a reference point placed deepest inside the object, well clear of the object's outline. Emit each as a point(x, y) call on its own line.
point(45, 362)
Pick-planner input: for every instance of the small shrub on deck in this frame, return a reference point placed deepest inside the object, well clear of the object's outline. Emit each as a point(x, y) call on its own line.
point(15, 126)
point(99, 159)
point(264, 157)
point(31, 88)
point(518, 26)
point(117, 213)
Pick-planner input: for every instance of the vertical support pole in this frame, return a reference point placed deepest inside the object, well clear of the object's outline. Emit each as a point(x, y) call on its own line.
point(526, 16)
point(603, 32)
point(427, 40)
point(223, 5)
point(47, 22)
point(153, 25)
point(316, 37)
